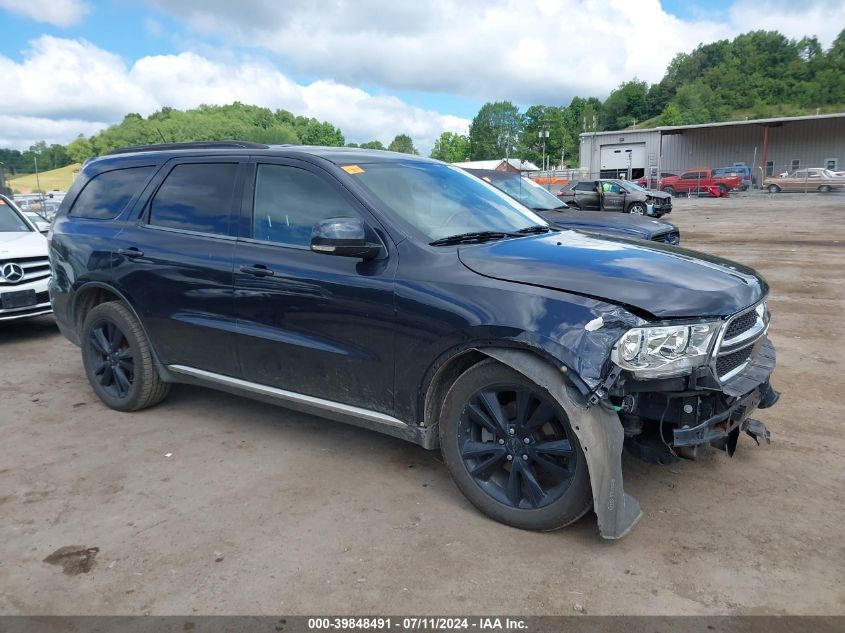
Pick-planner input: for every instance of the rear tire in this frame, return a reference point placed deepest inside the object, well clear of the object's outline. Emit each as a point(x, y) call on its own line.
point(723, 189)
point(824, 188)
point(118, 359)
point(773, 189)
point(510, 449)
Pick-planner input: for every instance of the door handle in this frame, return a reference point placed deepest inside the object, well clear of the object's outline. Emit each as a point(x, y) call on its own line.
point(130, 252)
point(259, 270)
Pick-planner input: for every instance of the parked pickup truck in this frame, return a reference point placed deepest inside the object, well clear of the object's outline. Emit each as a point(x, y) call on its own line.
point(699, 181)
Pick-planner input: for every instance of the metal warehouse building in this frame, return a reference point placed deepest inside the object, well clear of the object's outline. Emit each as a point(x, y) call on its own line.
point(768, 146)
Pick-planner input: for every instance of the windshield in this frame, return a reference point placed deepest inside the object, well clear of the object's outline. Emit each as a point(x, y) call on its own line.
point(631, 186)
point(528, 192)
point(10, 221)
point(440, 200)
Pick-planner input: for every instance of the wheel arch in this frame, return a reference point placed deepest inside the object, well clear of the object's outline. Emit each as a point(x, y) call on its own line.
point(446, 369)
point(94, 293)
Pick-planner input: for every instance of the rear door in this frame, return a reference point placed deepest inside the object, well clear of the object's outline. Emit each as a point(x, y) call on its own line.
point(586, 195)
point(312, 323)
point(174, 263)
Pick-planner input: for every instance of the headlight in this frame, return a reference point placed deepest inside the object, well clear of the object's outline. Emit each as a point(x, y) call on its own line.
point(661, 351)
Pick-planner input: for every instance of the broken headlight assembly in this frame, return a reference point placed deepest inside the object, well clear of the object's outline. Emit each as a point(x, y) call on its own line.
point(666, 350)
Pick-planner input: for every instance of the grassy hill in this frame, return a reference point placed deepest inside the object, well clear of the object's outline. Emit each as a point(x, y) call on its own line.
point(60, 178)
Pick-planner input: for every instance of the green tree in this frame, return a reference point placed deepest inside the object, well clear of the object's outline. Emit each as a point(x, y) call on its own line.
point(372, 145)
point(80, 149)
point(495, 131)
point(451, 148)
point(625, 105)
point(402, 143)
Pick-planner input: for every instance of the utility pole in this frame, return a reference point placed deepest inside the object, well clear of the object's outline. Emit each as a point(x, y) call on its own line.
point(544, 134)
point(37, 180)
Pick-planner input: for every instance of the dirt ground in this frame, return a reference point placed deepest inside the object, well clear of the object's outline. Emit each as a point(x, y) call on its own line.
point(211, 503)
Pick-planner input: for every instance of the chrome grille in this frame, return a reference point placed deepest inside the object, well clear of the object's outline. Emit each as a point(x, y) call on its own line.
point(34, 268)
point(740, 324)
point(730, 362)
point(736, 346)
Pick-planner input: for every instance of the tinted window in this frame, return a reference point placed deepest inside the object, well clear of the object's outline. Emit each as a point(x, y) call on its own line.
point(196, 197)
point(108, 193)
point(10, 221)
point(289, 200)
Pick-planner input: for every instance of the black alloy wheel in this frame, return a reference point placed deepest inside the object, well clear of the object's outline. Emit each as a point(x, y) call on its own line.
point(510, 448)
point(118, 359)
point(515, 447)
point(112, 359)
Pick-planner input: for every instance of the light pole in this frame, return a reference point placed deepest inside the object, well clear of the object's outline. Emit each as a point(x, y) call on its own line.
point(544, 134)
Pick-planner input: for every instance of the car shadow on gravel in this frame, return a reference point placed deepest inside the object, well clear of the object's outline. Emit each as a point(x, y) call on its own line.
point(27, 329)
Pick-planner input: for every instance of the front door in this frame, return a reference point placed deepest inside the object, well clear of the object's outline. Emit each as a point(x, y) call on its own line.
point(312, 323)
point(612, 197)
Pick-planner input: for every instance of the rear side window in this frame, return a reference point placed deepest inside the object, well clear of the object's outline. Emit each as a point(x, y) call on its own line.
point(196, 197)
point(585, 186)
point(108, 193)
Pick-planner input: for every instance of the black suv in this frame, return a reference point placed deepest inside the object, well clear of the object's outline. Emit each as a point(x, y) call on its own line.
point(406, 296)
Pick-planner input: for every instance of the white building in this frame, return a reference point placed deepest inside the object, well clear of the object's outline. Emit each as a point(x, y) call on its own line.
point(500, 164)
point(768, 146)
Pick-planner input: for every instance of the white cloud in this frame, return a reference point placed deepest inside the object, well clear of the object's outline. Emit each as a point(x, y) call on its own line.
point(83, 83)
point(823, 18)
point(20, 132)
point(528, 51)
point(56, 12)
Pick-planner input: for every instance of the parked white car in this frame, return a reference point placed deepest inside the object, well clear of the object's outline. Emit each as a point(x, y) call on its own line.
point(24, 266)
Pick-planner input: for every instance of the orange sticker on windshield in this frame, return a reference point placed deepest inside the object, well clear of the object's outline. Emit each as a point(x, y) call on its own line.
point(352, 169)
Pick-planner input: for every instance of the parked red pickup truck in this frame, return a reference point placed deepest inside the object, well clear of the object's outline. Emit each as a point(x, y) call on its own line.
point(700, 181)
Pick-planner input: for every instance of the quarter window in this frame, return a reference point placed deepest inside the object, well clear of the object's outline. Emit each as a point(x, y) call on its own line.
point(107, 194)
point(289, 201)
point(196, 197)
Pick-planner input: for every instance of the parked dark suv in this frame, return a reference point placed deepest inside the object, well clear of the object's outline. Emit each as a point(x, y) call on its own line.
point(403, 295)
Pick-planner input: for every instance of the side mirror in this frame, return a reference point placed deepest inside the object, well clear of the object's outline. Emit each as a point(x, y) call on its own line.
point(346, 237)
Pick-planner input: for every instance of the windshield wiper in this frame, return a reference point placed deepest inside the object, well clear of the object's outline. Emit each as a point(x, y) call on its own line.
point(538, 228)
point(475, 236)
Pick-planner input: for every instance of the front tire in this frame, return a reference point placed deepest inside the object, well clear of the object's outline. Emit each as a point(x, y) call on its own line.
point(118, 359)
point(510, 449)
point(824, 188)
point(638, 208)
point(669, 190)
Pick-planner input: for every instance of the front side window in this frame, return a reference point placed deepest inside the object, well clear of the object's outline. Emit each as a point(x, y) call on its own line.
point(107, 194)
point(196, 197)
point(289, 201)
point(441, 200)
point(11, 221)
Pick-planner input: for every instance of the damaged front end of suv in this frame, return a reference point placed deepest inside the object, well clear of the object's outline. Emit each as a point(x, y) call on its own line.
point(681, 386)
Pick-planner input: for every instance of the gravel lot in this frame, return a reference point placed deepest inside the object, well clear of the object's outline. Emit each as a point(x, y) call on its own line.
point(211, 503)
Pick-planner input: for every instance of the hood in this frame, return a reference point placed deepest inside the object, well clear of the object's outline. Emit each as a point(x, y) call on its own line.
point(665, 281)
point(654, 193)
point(22, 244)
point(616, 224)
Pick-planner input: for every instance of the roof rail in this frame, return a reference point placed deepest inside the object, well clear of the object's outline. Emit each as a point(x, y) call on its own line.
point(193, 145)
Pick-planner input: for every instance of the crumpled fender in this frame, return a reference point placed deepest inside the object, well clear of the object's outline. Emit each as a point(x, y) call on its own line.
point(601, 436)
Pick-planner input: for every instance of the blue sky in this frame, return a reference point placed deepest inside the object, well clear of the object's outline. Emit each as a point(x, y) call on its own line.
point(374, 67)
